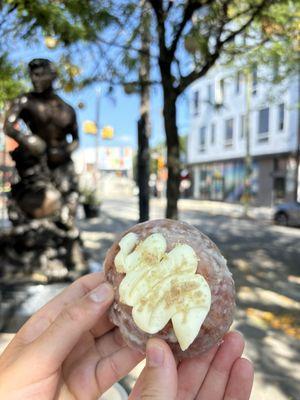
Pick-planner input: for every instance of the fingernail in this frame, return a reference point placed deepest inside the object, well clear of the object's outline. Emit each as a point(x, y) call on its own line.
point(154, 356)
point(248, 359)
point(101, 293)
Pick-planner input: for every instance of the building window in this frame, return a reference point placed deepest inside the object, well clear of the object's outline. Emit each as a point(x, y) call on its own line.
point(244, 128)
point(229, 132)
point(213, 133)
point(196, 102)
point(238, 81)
point(281, 117)
point(210, 94)
point(202, 139)
point(263, 124)
point(254, 80)
point(220, 92)
point(279, 187)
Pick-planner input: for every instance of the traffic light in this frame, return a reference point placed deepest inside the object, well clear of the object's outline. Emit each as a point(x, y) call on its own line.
point(107, 132)
point(160, 162)
point(90, 127)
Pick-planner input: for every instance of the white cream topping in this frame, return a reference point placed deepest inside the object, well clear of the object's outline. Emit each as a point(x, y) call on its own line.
point(163, 286)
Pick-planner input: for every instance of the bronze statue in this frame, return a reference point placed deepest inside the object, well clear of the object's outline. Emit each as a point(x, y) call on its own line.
point(45, 195)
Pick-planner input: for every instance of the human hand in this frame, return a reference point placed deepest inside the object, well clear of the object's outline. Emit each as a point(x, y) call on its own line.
point(68, 349)
point(219, 374)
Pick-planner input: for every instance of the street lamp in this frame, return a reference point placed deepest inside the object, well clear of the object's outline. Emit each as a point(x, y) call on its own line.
point(97, 120)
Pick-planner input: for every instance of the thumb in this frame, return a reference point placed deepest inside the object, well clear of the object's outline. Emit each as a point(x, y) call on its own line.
point(51, 348)
point(159, 380)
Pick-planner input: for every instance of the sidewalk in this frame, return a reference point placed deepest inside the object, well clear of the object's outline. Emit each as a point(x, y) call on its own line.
point(265, 262)
point(221, 208)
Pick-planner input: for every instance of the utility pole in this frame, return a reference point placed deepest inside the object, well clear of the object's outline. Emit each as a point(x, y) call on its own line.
point(297, 157)
point(3, 176)
point(143, 158)
point(97, 136)
point(248, 158)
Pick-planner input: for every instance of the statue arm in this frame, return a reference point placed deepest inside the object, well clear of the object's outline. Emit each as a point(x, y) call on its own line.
point(33, 143)
point(11, 121)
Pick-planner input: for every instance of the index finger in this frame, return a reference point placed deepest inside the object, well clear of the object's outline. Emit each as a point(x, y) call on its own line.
point(43, 318)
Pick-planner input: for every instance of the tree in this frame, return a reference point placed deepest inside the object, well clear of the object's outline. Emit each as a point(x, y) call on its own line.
point(11, 83)
point(69, 24)
point(207, 31)
point(65, 23)
point(143, 156)
point(188, 38)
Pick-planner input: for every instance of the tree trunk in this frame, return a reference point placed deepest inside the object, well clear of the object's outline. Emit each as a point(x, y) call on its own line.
point(144, 121)
point(143, 170)
point(173, 152)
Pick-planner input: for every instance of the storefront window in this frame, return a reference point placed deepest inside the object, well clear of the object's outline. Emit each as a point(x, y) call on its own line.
point(226, 181)
point(279, 187)
point(204, 183)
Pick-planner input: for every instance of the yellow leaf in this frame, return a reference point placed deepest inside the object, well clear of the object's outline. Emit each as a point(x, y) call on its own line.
point(50, 42)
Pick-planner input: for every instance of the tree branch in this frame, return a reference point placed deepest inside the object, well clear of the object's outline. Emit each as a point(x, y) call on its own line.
point(196, 74)
point(170, 5)
point(5, 15)
point(157, 6)
point(178, 66)
point(190, 8)
point(258, 10)
point(118, 82)
point(125, 47)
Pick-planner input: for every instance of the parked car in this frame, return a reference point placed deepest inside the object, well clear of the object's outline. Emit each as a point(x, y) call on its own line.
point(287, 214)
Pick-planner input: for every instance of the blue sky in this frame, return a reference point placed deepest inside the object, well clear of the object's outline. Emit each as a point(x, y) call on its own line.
point(119, 110)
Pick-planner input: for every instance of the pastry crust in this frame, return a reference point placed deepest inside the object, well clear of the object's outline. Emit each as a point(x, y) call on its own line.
point(211, 265)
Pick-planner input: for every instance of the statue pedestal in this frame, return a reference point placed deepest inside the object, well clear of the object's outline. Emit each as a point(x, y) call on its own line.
point(40, 251)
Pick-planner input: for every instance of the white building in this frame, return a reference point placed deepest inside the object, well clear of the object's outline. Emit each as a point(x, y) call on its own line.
point(110, 159)
point(220, 108)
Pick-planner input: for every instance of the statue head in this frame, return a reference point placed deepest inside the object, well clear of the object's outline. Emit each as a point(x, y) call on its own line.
point(42, 73)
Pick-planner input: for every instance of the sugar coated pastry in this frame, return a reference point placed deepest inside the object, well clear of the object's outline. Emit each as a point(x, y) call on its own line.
point(171, 282)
